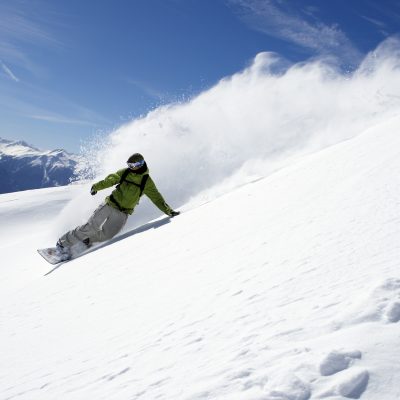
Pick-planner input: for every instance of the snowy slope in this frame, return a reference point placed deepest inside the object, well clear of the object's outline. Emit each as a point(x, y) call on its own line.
point(23, 167)
point(285, 289)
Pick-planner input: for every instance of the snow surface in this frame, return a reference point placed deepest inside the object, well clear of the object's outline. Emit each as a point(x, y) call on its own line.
point(287, 288)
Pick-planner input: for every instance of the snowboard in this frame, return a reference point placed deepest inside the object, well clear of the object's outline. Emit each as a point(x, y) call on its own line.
point(77, 250)
point(50, 255)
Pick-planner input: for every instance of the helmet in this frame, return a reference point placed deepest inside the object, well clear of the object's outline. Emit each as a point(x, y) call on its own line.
point(135, 158)
point(135, 161)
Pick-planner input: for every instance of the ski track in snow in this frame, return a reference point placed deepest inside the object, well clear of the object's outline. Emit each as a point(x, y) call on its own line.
point(285, 289)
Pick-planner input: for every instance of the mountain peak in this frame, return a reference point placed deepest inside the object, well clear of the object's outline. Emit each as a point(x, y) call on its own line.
point(23, 166)
point(14, 144)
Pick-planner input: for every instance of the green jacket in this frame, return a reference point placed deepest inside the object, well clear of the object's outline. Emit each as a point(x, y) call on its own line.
point(127, 195)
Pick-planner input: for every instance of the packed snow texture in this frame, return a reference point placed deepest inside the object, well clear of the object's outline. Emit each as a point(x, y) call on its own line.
point(280, 279)
point(286, 288)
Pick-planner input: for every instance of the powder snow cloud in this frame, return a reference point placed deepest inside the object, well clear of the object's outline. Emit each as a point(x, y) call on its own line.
point(249, 125)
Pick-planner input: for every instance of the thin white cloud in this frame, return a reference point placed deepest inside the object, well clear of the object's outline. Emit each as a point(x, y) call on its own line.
point(382, 27)
point(61, 120)
point(24, 24)
point(280, 19)
point(147, 89)
point(8, 72)
point(374, 21)
point(42, 107)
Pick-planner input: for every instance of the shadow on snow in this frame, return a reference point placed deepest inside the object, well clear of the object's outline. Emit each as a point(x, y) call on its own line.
point(140, 229)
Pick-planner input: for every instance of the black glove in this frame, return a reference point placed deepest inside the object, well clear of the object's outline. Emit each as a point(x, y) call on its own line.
point(173, 213)
point(93, 191)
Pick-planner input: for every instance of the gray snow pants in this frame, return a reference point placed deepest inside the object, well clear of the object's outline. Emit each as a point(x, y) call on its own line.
point(104, 224)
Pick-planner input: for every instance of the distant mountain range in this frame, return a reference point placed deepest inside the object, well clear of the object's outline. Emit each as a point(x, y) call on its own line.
point(23, 167)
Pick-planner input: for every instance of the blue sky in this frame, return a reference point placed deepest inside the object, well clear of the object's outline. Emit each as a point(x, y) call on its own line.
point(71, 69)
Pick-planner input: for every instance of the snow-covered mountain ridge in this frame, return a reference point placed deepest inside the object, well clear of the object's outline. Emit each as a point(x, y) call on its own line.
point(284, 289)
point(24, 167)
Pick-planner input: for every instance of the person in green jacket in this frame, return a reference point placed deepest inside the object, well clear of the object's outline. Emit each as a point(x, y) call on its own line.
point(110, 217)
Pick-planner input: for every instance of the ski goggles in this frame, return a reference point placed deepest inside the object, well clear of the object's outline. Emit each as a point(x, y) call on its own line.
point(135, 165)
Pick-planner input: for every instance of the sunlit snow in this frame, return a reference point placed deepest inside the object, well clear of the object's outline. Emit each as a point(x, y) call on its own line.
point(279, 281)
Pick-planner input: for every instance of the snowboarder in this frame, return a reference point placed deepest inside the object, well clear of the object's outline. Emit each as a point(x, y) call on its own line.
point(110, 217)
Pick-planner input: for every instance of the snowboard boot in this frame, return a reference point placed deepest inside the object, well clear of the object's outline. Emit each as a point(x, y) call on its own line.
point(63, 252)
point(87, 243)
